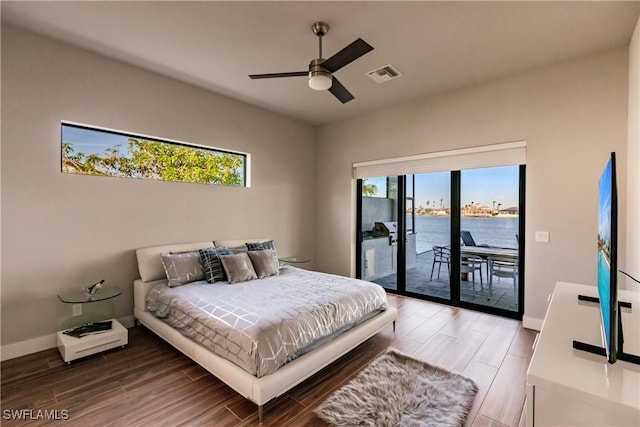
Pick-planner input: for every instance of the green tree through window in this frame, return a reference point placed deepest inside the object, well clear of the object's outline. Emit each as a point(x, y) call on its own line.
point(113, 154)
point(369, 189)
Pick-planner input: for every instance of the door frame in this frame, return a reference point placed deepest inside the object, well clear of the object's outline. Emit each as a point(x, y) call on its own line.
point(454, 284)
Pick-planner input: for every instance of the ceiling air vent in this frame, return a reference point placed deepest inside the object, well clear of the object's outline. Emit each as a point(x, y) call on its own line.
point(384, 74)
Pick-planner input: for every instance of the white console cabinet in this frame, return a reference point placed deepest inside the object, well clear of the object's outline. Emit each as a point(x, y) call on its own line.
point(568, 387)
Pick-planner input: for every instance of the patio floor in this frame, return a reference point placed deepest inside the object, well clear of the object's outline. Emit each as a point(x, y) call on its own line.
point(418, 281)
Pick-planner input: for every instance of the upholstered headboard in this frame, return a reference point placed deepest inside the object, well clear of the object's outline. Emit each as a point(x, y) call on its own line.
point(235, 243)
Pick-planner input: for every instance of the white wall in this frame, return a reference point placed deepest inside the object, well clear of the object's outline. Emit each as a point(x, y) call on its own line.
point(632, 265)
point(571, 115)
point(61, 231)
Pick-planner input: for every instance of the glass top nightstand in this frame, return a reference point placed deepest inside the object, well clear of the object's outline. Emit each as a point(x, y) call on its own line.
point(293, 260)
point(76, 308)
point(81, 297)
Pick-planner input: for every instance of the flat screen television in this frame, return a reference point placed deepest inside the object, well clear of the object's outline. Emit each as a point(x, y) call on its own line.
point(607, 257)
point(610, 315)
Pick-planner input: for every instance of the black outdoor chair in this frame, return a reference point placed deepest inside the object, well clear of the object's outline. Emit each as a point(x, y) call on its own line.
point(467, 238)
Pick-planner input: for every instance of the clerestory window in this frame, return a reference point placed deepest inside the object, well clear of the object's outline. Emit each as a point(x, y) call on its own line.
point(90, 150)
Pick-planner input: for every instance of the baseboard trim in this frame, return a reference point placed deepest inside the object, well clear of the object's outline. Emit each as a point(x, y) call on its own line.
point(22, 348)
point(532, 323)
point(34, 345)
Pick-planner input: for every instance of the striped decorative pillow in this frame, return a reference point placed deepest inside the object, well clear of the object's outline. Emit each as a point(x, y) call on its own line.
point(213, 270)
point(260, 246)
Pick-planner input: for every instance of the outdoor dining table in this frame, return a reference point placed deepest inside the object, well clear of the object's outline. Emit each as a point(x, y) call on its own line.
point(488, 251)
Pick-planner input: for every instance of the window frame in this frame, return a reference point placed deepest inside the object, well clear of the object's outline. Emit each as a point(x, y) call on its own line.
point(246, 166)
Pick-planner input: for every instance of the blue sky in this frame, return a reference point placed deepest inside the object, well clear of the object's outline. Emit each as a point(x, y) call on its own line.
point(89, 141)
point(604, 204)
point(488, 184)
point(477, 185)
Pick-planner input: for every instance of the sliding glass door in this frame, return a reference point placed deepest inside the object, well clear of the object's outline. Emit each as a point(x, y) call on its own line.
point(428, 261)
point(378, 237)
point(489, 234)
point(452, 237)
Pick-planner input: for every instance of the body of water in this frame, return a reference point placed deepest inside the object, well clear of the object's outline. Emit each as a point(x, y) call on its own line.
point(604, 293)
point(436, 231)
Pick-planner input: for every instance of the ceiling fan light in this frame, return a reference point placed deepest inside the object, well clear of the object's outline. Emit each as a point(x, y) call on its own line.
point(319, 80)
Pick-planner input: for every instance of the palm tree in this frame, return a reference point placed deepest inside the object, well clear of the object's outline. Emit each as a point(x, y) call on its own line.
point(369, 189)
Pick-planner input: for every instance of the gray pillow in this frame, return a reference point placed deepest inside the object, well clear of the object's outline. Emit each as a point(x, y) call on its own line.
point(265, 262)
point(213, 270)
point(238, 267)
point(181, 268)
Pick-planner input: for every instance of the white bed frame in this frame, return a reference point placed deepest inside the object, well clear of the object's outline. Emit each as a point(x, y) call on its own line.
point(258, 390)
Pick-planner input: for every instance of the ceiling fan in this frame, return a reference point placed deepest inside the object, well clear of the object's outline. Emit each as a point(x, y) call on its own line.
point(321, 70)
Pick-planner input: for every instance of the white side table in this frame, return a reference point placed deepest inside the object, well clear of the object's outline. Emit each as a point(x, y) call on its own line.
point(72, 348)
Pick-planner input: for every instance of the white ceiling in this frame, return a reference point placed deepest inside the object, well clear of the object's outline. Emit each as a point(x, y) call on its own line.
point(437, 46)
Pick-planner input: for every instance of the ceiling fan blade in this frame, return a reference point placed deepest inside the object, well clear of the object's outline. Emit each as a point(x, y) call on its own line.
point(275, 75)
point(349, 54)
point(340, 91)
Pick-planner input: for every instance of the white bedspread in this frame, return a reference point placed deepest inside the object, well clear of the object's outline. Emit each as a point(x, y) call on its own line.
point(262, 324)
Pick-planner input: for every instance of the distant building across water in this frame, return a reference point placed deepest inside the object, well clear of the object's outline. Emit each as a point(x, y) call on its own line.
point(472, 210)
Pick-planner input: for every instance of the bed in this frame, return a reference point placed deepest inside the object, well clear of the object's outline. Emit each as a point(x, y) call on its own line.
point(259, 385)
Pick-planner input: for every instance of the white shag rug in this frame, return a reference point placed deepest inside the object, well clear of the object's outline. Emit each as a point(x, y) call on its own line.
point(398, 390)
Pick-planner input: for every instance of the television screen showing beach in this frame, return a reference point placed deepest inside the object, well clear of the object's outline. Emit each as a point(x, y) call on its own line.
point(604, 248)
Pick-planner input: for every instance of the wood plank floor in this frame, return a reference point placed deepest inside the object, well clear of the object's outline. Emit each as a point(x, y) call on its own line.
point(151, 383)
